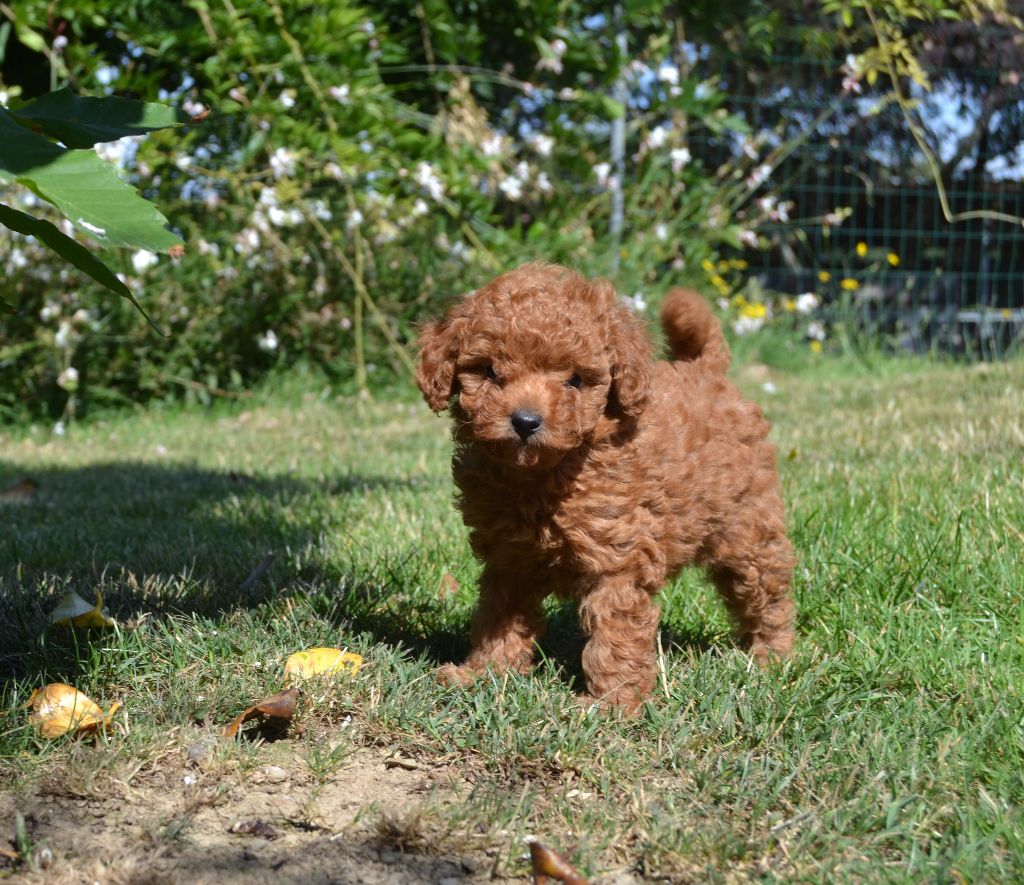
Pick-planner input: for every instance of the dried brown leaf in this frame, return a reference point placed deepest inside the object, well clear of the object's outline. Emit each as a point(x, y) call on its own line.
point(545, 863)
point(278, 706)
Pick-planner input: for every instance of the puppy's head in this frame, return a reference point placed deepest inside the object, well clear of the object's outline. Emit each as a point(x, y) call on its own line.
point(539, 361)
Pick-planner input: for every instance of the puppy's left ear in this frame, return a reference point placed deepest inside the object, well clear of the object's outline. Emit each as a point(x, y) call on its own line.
point(629, 348)
point(439, 350)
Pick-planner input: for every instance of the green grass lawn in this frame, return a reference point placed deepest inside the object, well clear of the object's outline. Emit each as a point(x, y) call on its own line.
point(890, 748)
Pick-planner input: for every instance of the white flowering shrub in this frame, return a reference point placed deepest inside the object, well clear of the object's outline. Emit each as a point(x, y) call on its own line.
point(360, 164)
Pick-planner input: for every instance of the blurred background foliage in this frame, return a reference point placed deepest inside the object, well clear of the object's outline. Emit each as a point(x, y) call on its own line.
point(363, 163)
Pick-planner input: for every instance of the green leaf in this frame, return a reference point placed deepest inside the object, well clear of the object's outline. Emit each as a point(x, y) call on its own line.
point(7, 308)
point(80, 121)
point(68, 249)
point(82, 186)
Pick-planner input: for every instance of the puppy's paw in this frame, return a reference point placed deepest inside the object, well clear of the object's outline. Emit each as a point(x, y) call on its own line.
point(453, 674)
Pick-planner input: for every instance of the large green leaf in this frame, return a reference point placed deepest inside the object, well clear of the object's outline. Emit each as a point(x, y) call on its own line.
point(82, 186)
point(80, 121)
point(67, 248)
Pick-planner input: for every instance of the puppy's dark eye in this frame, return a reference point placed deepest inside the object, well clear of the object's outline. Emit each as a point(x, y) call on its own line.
point(575, 381)
point(490, 373)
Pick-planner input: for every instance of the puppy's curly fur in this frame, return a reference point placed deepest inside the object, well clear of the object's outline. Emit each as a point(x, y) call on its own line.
point(588, 470)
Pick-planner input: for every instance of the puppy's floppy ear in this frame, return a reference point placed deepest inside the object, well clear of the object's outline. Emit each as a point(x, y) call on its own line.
point(439, 349)
point(629, 350)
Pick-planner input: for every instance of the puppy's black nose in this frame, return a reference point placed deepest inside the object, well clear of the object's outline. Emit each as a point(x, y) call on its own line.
point(526, 424)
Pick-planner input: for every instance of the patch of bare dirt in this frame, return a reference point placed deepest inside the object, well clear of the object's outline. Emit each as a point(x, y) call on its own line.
point(373, 820)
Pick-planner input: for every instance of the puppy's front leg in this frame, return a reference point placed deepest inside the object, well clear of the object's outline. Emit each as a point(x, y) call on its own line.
point(621, 620)
point(506, 624)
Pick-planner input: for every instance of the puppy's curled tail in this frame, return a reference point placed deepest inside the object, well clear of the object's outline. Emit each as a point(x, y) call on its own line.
point(693, 333)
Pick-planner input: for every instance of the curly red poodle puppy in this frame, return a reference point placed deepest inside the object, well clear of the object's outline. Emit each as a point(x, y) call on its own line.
point(588, 470)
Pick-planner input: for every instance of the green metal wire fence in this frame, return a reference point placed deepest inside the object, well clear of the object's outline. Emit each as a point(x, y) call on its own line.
point(861, 220)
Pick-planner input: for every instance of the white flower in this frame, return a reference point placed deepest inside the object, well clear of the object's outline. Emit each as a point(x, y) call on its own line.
point(567, 93)
point(345, 323)
point(420, 207)
point(282, 162)
point(769, 387)
point(60, 43)
point(18, 259)
point(543, 144)
point(602, 172)
point(656, 138)
point(759, 176)
point(743, 325)
point(59, 429)
point(749, 148)
point(49, 311)
point(680, 157)
point(287, 99)
point(192, 108)
point(661, 231)
point(428, 179)
point(815, 331)
point(238, 94)
point(333, 170)
point(65, 335)
point(544, 183)
point(491, 146)
point(355, 218)
point(806, 303)
point(668, 73)
point(321, 210)
point(248, 240)
point(143, 260)
point(68, 379)
point(558, 46)
point(748, 238)
point(512, 188)
point(267, 342)
point(284, 217)
point(5, 96)
point(637, 302)
point(340, 93)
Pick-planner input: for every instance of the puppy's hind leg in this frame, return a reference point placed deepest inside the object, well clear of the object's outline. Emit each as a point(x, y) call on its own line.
point(753, 579)
point(506, 624)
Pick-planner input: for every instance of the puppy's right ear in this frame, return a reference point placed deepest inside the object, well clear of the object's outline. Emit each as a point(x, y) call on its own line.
point(439, 349)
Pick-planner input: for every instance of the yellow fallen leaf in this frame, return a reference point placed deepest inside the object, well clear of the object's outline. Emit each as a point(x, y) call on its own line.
point(318, 661)
point(75, 611)
point(58, 709)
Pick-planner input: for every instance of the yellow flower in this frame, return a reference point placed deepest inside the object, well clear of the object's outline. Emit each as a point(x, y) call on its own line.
point(789, 304)
point(893, 259)
point(723, 265)
point(849, 284)
point(824, 276)
point(1006, 313)
point(708, 265)
point(862, 249)
point(815, 347)
point(739, 264)
point(754, 311)
point(739, 301)
point(717, 281)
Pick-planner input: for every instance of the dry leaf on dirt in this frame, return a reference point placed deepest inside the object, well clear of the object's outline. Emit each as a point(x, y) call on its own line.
point(20, 491)
point(546, 863)
point(321, 661)
point(278, 706)
point(59, 709)
point(74, 611)
point(448, 586)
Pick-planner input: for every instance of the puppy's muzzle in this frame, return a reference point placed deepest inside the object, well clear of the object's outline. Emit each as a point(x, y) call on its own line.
point(525, 423)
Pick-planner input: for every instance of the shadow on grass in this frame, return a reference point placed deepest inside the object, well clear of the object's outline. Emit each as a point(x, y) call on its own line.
point(180, 539)
point(176, 539)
